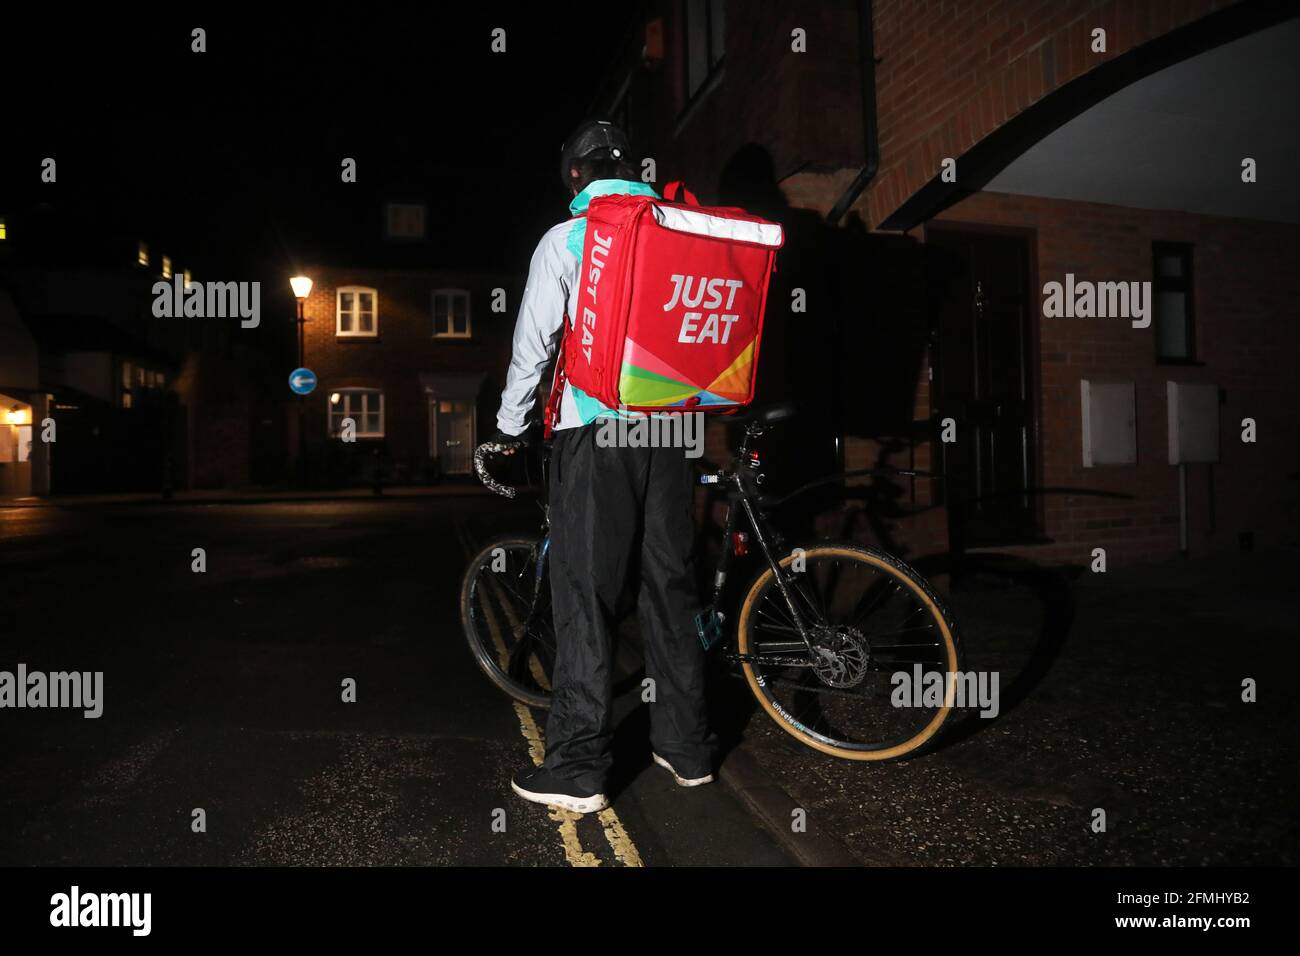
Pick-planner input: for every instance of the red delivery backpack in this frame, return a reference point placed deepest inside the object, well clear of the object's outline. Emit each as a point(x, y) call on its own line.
point(670, 306)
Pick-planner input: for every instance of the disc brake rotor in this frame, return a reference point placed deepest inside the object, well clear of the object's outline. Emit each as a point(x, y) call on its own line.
point(842, 656)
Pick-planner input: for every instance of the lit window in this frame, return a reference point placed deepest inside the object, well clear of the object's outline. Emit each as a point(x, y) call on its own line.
point(4, 234)
point(126, 374)
point(166, 267)
point(358, 311)
point(451, 314)
point(142, 254)
point(365, 406)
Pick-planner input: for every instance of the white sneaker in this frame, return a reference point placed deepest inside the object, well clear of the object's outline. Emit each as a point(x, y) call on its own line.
point(682, 781)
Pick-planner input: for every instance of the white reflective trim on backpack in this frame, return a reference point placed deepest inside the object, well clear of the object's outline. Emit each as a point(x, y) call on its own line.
point(704, 224)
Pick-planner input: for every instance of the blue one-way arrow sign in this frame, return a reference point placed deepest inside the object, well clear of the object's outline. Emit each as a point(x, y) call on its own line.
point(302, 381)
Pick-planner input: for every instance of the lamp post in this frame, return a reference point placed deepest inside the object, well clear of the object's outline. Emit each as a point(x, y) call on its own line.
point(301, 286)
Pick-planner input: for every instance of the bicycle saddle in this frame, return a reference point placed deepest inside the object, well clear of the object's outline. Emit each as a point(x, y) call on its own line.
point(773, 414)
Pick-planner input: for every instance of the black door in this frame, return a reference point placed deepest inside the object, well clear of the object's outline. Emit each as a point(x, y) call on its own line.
point(981, 297)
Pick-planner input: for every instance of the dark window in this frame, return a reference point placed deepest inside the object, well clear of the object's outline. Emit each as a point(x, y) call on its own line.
point(404, 220)
point(704, 42)
point(1172, 294)
point(451, 314)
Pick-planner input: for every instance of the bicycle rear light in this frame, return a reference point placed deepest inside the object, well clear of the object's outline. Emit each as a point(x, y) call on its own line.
point(739, 543)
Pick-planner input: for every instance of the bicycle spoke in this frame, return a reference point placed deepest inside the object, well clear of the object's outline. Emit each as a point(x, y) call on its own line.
point(884, 591)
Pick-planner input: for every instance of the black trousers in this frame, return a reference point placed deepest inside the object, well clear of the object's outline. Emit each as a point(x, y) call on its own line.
point(613, 510)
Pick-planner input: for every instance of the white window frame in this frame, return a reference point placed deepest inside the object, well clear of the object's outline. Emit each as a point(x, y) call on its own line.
point(451, 333)
point(392, 207)
point(343, 409)
point(338, 313)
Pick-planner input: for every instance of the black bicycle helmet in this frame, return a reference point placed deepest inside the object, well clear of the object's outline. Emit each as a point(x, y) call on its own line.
point(590, 139)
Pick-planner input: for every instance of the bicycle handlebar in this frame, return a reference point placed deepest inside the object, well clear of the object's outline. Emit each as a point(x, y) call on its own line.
point(480, 468)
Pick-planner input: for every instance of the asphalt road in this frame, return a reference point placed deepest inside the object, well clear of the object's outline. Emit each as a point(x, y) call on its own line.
point(223, 691)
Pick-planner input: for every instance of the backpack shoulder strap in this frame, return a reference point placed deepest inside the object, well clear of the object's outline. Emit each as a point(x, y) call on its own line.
point(551, 416)
point(672, 189)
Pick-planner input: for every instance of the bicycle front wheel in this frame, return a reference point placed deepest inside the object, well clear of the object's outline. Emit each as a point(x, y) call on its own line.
point(505, 609)
point(877, 630)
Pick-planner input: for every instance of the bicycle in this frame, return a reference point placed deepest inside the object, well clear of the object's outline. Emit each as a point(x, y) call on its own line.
point(811, 636)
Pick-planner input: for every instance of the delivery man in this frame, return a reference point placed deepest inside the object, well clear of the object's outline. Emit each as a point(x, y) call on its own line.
point(613, 510)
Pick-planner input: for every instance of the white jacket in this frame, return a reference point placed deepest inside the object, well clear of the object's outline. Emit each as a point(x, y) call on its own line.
point(550, 294)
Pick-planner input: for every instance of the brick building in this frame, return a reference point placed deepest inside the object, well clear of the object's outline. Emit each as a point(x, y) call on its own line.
point(415, 357)
point(140, 402)
point(933, 192)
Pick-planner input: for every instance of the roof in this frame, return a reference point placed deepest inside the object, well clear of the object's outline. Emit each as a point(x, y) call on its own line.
point(89, 333)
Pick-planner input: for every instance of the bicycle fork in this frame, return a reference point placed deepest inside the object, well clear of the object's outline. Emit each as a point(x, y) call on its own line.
point(779, 574)
point(539, 578)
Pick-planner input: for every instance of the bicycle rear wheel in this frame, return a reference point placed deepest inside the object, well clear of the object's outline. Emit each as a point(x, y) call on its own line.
point(870, 617)
point(505, 609)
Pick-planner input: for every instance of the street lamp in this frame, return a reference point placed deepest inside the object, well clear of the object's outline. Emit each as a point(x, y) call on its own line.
point(301, 286)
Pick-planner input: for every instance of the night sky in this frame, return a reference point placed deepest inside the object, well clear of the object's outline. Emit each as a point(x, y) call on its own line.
point(234, 155)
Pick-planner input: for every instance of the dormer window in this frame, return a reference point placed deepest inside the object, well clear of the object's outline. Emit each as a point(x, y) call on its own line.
point(404, 220)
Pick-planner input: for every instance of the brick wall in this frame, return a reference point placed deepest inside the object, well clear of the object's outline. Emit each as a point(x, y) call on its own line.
point(1246, 290)
point(950, 72)
point(796, 106)
point(1246, 334)
point(221, 450)
point(404, 348)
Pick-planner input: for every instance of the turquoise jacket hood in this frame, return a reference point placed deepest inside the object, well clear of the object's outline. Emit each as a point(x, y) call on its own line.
point(608, 187)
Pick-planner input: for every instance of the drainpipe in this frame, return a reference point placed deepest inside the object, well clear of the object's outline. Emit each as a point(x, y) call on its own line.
point(871, 145)
point(866, 43)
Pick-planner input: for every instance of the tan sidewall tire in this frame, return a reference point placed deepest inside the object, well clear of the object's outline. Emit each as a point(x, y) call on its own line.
point(899, 572)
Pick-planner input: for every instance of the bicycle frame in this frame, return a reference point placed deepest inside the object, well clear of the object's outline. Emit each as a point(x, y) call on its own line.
point(741, 482)
point(742, 489)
